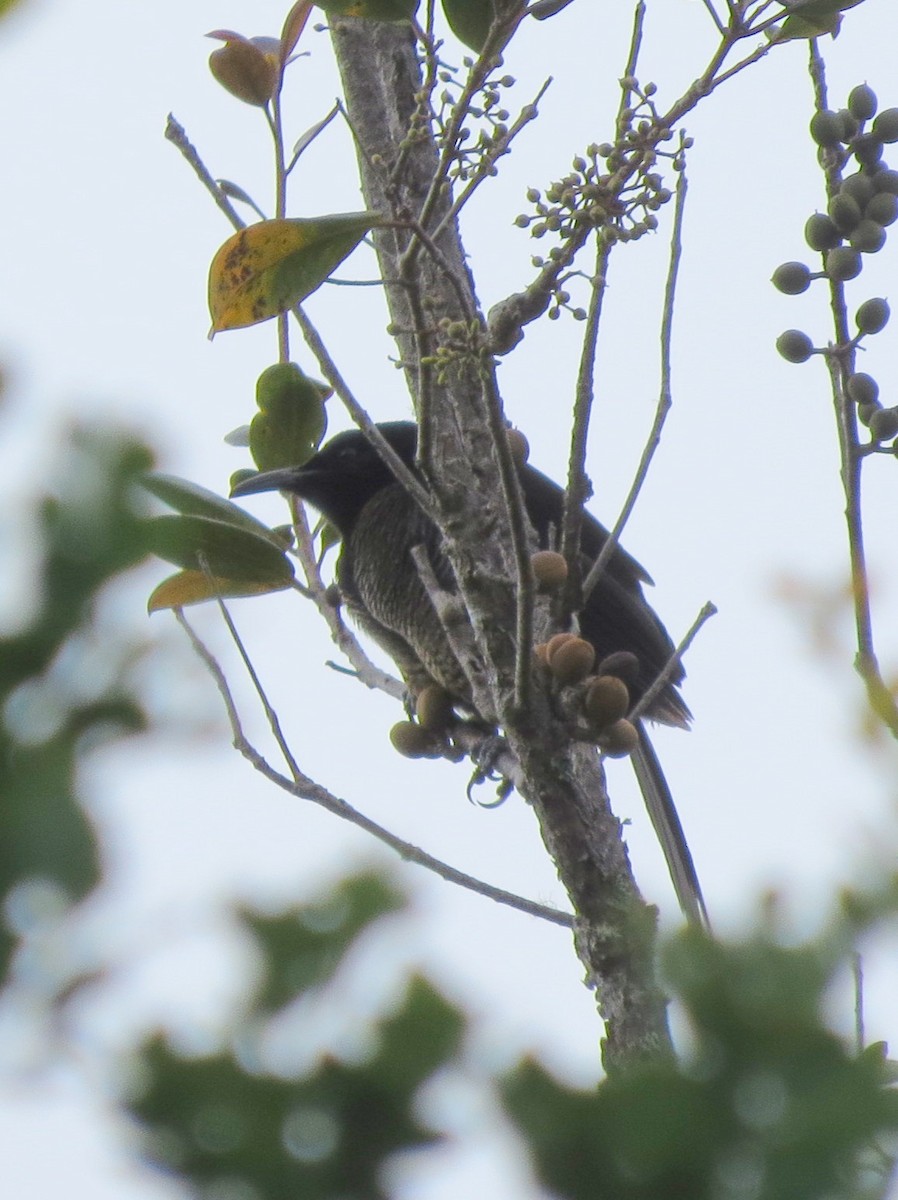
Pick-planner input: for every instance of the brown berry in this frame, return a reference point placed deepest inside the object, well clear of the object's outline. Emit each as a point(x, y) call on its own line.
point(572, 661)
point(411, 740)
point(619, 739)
point(607, 700)
point(554, 642)
point(434, 708)
point(622, 663)
point(549, 568)
point(518, 445)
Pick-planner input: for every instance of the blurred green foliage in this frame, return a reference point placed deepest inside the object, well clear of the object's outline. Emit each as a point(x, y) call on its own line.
point(769, 1103)
point(51, 709)
point(221, 1123)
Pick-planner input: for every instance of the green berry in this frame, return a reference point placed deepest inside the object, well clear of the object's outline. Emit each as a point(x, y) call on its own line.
point(848, 125)
point(882, 208)
point(886, 181)
point(866, 412)
point(845, 212)
point(862, 102)
point(843, 264)
point(868, 237)
point(858, 186)
point(884, 424)
point(826, 128)
point(873, 315)
point(795, 346)
point(820, 233)
point(791, 278)
point(867, 149)
point(862, 388)
point(886, 125)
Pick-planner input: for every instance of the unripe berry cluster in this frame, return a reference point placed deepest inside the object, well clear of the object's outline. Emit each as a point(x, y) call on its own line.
point(855, 223)
point(477, 149)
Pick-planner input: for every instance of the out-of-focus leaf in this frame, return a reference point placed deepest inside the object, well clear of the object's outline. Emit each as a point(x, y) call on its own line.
point(376, 10)
point(50, 710)
point(227, 551)
point(272, 265)
point(768, 1088)
point(195, 587)
point(292, 419)
point(303, 947)
point(470, 20)
point(324, 1135)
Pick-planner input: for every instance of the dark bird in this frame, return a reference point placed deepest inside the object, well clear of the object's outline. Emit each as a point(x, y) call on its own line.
point(380, 524)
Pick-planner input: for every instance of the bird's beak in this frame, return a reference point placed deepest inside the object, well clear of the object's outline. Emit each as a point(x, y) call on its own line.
point(282, 480)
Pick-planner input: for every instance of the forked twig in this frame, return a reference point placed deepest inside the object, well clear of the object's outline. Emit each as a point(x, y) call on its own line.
point(304, 788)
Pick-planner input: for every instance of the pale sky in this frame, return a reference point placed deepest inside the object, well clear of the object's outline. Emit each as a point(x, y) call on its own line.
point(103, 315)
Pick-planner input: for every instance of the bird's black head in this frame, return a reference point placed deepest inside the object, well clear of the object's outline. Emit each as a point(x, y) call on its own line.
point(343, 476)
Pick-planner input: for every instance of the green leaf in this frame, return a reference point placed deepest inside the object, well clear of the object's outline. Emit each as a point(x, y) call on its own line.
point(292, 419)
point(814, 20)
point(470, 20)
point(225, 550)
point(268, 267)
point(193, 500)
point(543, 9)
point(375, 10)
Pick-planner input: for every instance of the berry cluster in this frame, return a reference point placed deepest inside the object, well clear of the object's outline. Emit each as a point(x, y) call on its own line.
point(476, 150)
point(858, 215)
point(591, 195)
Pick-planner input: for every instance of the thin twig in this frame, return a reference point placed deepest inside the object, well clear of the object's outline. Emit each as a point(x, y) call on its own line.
point(361, 666)
point(331, 372)
point(575, 492)
point(270, 714)
point(721, 28)
point(708, 610)
point(664, 396)
point(176, 135)
point(527, 114)
point(305, 788)
point(462, 294)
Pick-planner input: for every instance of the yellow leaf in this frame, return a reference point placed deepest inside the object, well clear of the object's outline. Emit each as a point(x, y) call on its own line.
point(268, 267)
point(193, 587)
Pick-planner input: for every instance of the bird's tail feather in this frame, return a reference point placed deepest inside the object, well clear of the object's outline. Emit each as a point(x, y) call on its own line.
point(663, 815)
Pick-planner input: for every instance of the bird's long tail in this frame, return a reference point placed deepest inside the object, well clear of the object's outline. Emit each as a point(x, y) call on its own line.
point(663, 815)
